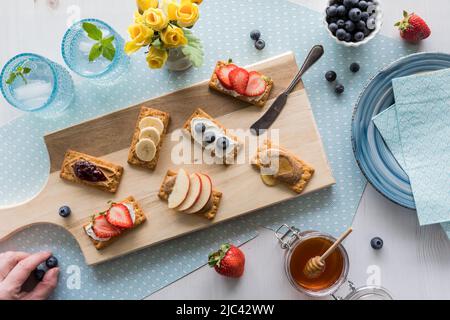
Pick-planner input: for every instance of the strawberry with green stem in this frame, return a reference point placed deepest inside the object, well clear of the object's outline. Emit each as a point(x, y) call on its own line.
point(228, 261)
point(413, 28)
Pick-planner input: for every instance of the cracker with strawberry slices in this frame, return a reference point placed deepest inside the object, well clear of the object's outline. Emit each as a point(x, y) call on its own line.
point(302, 172)
point(251, 87)
point(208, 211)
point(133, 157)
point(114, 223)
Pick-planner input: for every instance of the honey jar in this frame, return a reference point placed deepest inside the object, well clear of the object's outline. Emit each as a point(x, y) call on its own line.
point(302, 246)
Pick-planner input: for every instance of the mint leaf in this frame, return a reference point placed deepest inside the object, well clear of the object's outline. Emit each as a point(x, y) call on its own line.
point(194, 49)
point(11, 78)
point(96, 52)
point(92, 31)
point(109, 39)
point(109, 51)
point(26, 70)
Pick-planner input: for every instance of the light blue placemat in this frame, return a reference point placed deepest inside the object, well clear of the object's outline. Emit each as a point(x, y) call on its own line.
point(417, 131)
point(225, 33)
point(387, 124)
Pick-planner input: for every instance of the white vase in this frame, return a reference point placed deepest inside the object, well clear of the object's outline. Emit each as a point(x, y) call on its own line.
point(177, 61)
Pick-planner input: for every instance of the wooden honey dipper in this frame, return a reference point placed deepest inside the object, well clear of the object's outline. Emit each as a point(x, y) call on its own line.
point(315, 266)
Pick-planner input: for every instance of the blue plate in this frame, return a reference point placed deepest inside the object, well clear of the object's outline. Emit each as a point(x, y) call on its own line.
point(373, 156)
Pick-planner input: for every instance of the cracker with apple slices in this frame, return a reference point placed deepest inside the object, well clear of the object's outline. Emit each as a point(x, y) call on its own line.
point(301, 172)
point(176, 189)
point(117, 231)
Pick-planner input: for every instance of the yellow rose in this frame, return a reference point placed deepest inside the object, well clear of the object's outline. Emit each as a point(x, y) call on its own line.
point(173, 37)
point(187, 14)
point(156, 57)
point(141, 36)
point(172, 8)
point(144, 5)
point(196, 1)
point(138, 18)
point(156, 19)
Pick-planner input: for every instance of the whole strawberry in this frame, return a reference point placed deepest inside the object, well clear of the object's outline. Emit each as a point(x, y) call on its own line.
point(229, 261)
point(413, 28)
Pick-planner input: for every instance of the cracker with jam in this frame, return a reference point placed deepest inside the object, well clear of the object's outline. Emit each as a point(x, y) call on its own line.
point(278, 164)
point(92, 171)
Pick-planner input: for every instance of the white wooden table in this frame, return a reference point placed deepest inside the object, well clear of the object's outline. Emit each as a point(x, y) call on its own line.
point(414, 262)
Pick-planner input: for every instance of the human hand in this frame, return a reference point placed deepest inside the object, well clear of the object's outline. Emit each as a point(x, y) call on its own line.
point(16, 268)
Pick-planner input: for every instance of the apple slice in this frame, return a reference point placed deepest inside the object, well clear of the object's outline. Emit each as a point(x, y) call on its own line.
point(204, 197)
point(180, 189)
point(195, 189)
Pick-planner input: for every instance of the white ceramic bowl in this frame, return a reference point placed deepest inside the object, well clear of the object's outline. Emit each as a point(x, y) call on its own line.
point(379, 23)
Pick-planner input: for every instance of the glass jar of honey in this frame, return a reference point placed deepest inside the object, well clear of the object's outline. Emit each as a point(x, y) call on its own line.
point(300, 248)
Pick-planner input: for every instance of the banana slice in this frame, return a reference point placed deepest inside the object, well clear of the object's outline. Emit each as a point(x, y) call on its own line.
point(146, 150)
point(152, 122)
point(269, 180)
point(150, 133)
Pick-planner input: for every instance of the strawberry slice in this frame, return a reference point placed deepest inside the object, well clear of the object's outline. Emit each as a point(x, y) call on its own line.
point(239, 80)
point(256, 85)
point(103, 229)
point(119, 216)
point(223, 75)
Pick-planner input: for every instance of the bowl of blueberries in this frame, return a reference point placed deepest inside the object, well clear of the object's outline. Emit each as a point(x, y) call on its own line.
point(353, 22)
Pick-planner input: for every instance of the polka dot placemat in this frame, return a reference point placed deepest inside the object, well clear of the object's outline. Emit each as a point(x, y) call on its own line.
point(224, 30)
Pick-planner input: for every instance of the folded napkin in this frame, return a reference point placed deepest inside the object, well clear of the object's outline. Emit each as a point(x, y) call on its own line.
point(417, 131)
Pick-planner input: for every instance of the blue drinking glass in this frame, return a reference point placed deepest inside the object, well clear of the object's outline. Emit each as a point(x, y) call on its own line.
point(33, 83)
point(76, 46)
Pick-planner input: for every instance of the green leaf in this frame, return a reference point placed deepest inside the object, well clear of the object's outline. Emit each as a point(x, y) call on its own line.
point(92, 31)
point(11, 78)
point(26, 70)
point(109, 39)
point(194, 49)
point(96, 52)
point(109, 52)
point(23, 78)
point(157, 44)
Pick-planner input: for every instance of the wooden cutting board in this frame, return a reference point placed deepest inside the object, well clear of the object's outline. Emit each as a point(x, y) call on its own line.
point(109, 137)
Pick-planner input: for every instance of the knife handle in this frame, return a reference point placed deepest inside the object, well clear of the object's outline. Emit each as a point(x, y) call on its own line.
point(314, 55)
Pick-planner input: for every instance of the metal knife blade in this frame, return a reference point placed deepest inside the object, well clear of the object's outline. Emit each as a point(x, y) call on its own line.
point(277, 106)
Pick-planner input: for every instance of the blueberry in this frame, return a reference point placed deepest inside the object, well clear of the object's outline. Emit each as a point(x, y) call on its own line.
point(51, 262)
point(371, 23)
point(355, 3)
point(339, 89)
point(376, 243)
point(354, 67)
point(331, 11)
point(340, 34)
point(341, 24)
point(330, 76)
point(255, 35)
point(348, 3)
point(365, 16)
point(333, 27)
point(349, 26)
point(363, 5)
point(65, 211)
point(39, 274)
point(354, 14)
point(260, 44)
point(332, 20)
point(360, 25)
point(366, 32)
point(200, 128)
point(348, 37)
point(359, 36)
point(341, 11)
point(209, 137)
point(223, 143)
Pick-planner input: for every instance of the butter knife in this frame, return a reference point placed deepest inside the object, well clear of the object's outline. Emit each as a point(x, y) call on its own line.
point(277, 106)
